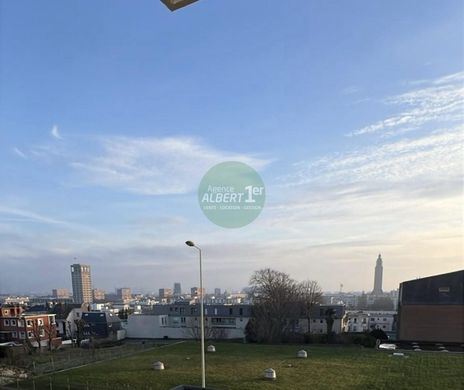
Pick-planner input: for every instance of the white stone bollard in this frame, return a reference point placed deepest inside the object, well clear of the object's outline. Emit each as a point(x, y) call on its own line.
point(158, 366)
point(302, 354)
point(270, 374)
point(211, 348)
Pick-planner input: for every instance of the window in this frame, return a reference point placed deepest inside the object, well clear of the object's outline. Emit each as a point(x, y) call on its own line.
point(240, 311)
point(215, 311)
point(384, 319)
point(230, 311)
point(5, 312)
point(40, 322)
point(322, 321)
point(29, 323)
point(22, 335)
point(6, 322)
point(14, 334)
point(21, 323)
point(29, 334)
point(13, 322)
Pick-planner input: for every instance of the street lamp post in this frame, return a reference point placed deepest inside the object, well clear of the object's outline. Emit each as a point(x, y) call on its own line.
point(202, 321)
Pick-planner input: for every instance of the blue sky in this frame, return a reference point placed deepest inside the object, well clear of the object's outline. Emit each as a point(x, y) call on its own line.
point(111, 113)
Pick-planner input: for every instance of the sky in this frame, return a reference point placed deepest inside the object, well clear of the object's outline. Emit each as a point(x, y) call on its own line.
point(112, 112)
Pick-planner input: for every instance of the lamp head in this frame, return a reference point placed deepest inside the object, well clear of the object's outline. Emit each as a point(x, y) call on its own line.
point(189, 243)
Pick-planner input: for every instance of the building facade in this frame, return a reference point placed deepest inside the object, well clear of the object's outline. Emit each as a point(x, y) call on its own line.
point(60, 293)
point(432, 309)
point(182, 321)
point(124, 293)
point(35, 328)
point(165, 293)
point(358, 321)
point(81, 283)
point(177, 289)
point(98, 294)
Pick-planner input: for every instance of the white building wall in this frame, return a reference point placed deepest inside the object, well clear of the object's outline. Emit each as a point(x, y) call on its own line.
point(159, 327)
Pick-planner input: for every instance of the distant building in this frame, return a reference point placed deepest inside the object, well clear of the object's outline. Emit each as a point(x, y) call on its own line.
point(318, 319)
point(365, 321)
point(195, 292)
point(124, 293)
point(177, 289)
point(378, 277)
point(217, 292)
point(165, 293)
point(98, 294)
point(432, 309)
point(60, 293)
point(81, 283)
point(102, 325)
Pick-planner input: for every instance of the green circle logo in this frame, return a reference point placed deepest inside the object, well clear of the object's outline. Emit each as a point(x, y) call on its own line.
point(231, 194)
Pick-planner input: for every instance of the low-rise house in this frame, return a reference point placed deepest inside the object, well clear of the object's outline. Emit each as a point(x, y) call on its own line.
point(35, 327)
point(102, 325)
point(318, 319)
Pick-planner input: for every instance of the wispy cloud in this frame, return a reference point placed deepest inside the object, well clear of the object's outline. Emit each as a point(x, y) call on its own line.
point(19, 153)
point(28, 216)
point(55, 133)
point(441, 101)
point(434, 156)
point(154, 166)
point(351, 90)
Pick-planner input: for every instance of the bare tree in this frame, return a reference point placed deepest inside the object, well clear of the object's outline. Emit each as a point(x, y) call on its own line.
point(310, 295)
point(193, 330)
point(275, 304)
point(50, 333)
point(37, 333)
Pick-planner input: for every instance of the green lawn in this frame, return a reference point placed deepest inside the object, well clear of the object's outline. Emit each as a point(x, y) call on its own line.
point(240, 366)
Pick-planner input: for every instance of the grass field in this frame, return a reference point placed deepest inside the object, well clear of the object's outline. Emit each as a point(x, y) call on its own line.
point(240, 366)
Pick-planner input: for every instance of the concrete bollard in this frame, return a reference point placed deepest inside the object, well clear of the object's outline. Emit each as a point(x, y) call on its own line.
point(270, 374)
point(211, 348)
point(302, 354)
point(158, 366)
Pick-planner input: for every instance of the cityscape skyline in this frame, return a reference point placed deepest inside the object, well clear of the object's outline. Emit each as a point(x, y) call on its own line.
point(87, 288)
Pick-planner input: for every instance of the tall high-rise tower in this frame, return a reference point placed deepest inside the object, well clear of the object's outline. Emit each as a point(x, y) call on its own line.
point(177, 289)
point(81, 283)
point(378, 276)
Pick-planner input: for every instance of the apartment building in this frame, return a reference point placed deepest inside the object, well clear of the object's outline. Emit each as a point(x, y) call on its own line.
point(182, 321)
point(36, 327)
